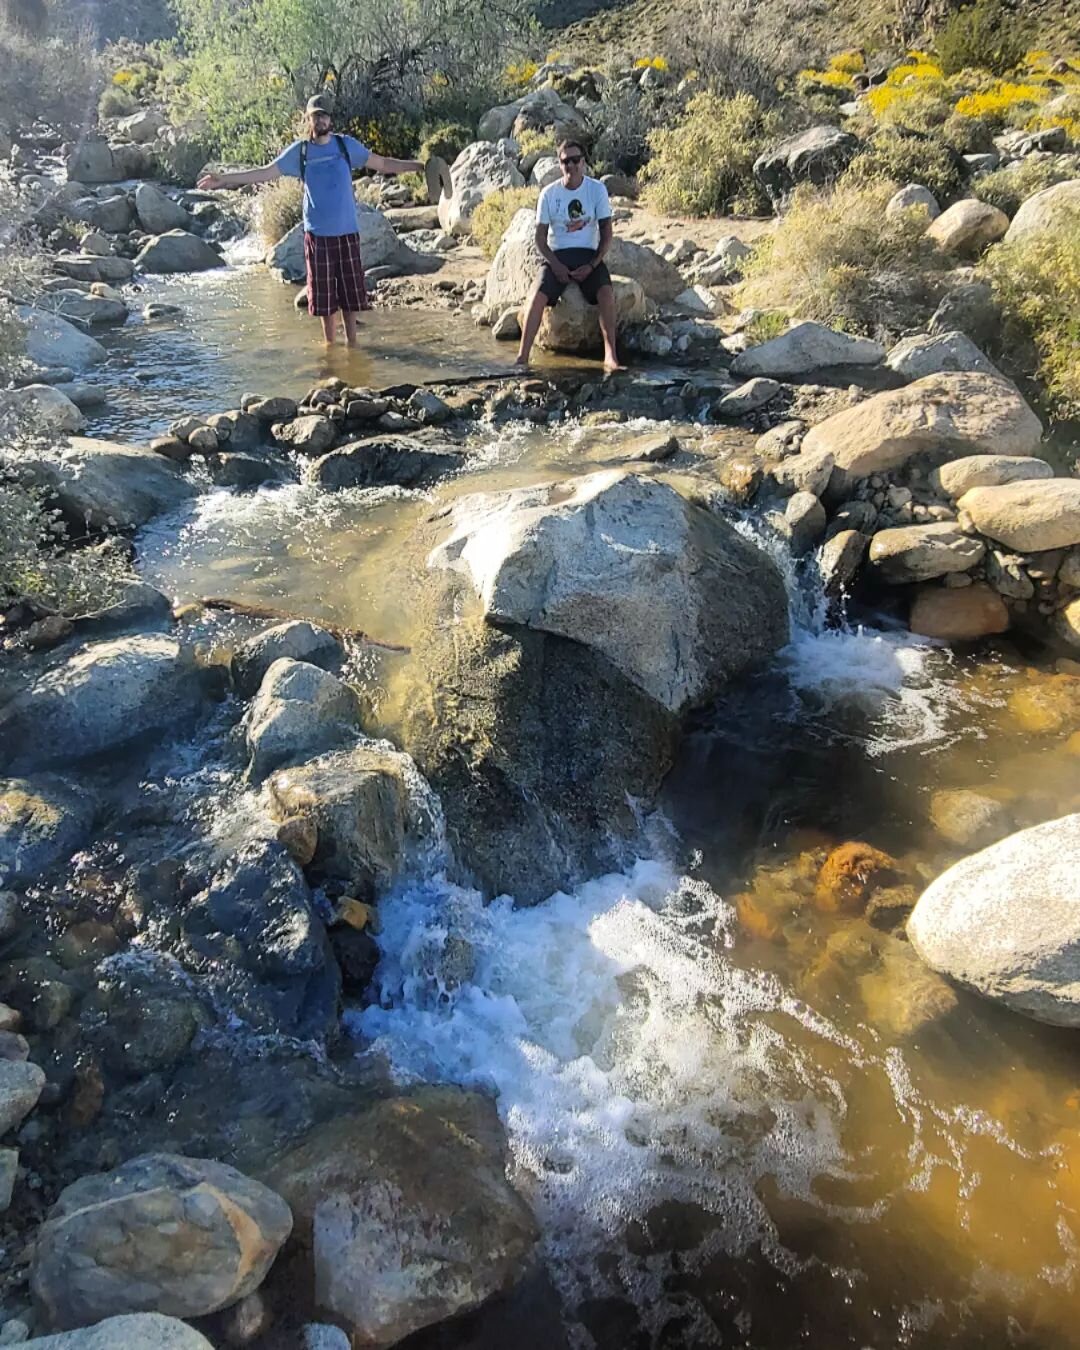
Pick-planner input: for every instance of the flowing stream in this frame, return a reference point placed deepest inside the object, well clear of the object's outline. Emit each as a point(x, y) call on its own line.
point(740, 1121)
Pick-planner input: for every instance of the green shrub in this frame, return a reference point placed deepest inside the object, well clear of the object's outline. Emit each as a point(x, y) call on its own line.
point(1036, 280)
point(446, 141)
point(969, 135)
point(1009, 188)
point(907, 159)
point(116, 102)
point(766, 325)
point(47, 81)
point(704, 164)
point(492, 217)
point(278, 207)
point(37, 564)
point(835, 254)
point(983, 35)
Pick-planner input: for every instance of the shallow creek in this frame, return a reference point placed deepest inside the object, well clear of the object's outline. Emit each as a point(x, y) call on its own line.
point(741, 1121)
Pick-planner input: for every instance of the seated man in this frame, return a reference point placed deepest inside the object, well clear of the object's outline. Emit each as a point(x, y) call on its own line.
point(573, 232)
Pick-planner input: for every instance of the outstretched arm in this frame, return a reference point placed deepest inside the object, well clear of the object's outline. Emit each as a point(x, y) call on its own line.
point(383, 164)
point(241, 178)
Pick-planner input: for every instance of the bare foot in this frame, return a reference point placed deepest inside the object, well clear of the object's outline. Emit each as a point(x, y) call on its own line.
point(611, 365)
point(522, 363)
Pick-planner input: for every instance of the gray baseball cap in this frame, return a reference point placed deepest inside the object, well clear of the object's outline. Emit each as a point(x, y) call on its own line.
point(319, 103)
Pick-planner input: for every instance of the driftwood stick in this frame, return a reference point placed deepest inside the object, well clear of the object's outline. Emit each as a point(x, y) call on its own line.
point(281, 615)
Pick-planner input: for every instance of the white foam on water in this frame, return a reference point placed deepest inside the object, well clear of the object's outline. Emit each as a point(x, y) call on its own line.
point(632, 1063)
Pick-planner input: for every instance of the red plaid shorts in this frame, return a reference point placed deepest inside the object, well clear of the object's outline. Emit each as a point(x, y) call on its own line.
point(335, 274)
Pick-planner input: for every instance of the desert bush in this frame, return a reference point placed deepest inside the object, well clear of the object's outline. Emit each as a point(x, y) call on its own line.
point(739, 46)
point(766, 325)
point(1002, 102)
point(834, 254)
point(116, 102)
point(1008, 188)
point(968, 135)
point(38, 564)
point(622, 124)
point(1036, 280)
point(278, 207)
point(47, 80)
point(1064, 112)
point(703, 165)
point(446, 141)
point(893, 157)
point(985, 34)
point(492, 217)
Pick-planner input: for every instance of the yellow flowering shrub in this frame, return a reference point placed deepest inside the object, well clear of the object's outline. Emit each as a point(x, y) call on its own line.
point(519, 73)
point(653, 62)
point(126, 79)
point(823, 81)
point(847, 63)
point(1066, 113)
point(997, 103)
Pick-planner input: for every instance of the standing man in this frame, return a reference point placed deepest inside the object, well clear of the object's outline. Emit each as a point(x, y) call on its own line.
point(573, 232)
point(324, 163)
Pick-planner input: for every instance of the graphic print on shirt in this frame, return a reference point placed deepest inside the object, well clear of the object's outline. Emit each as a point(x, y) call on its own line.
point(575, 216)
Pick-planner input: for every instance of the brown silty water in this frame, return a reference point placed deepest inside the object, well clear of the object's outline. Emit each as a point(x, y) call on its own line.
point(771, 1126)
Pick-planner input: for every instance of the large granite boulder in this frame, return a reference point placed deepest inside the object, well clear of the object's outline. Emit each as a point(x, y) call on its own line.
point(103, 484)
point(573, 325)
point(162, 1233)
point(94, 160)
point(961, 475)
point(1045, 211)
point(178, 251)
point(51, 341)
point(143, 126)
point(104, 698)
point(554, 618)
point(517, 262)
point(111, 214)
point(922, 552)
point(480, 170)
point(817, 156)
point(805, 348)
point(1029, 515)
point(671, 595)
point(43, 409)
point(931, 353)
point(949, 415)
point(89, 309)
point(405, 1214)
point(1006, 922)
point(539, 108)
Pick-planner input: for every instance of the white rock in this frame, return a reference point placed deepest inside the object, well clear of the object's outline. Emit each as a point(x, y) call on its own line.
point(52, 341)
point(44, 408)
point(481, 169)
point(929, 354)
point(914, 195)
point(805, 348)
point(973, 471)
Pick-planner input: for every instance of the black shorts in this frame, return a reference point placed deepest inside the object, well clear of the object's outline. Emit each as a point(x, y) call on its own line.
point(572, 258)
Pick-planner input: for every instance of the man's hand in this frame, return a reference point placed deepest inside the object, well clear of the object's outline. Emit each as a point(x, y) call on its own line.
point(209, 182)
point(562, 274)
point(580, 273)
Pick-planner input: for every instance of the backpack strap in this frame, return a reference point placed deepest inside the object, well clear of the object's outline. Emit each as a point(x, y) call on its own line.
point(342, 147)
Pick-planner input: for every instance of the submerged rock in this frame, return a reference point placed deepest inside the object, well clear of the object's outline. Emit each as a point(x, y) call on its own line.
point(162, 1233)
point(969, 819)
point(406, 1212)
point(949, 415)
point(1006, 922)
point(139, 1331)
point(106, 696)
point(962, 615)
point(43, 821)
point(397, 461)
point(850, 875)
point(671, 595)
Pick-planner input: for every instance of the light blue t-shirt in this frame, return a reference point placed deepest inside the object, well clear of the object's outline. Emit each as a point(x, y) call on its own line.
point(329, 205)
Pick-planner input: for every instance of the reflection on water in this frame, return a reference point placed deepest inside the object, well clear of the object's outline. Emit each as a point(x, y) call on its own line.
point(743, 1118)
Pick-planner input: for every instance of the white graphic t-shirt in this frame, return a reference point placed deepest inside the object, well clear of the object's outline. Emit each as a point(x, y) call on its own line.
point(573, 215)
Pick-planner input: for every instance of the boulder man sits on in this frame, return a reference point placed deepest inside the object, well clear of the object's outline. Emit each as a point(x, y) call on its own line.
point(324, 163)
point(573, 232)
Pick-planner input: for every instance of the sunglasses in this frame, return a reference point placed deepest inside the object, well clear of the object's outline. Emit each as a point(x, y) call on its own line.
point(572, 159)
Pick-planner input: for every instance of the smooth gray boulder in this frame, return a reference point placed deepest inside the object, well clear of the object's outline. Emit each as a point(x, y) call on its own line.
point(161, 1233)
point(1031, 515)
point(480, 170)
point(671, 595)
point(817, 156)
point(912, 196)
point(400, 461)
point(105, 697)
point(105, 484)
point(140, 1331)
point(1006, 922)
point(379, 247)
point(296, 639)
point(21, 1084)
point(51, 341)
point(42, 409)
point(923, 552)
point(1045, 211)
point(930, 353)
point(300, 711)
point(178, 251)
point(159, 213)
point(961, 475)
point(805, 348)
